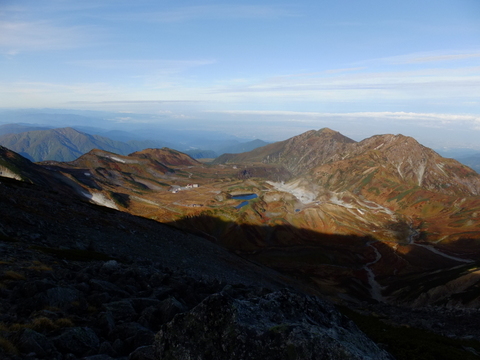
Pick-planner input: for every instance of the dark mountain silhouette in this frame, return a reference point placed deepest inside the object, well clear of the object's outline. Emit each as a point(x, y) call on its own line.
point(63, 144)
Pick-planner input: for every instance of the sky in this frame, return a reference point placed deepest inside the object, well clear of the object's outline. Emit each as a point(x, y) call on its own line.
point(265, 69)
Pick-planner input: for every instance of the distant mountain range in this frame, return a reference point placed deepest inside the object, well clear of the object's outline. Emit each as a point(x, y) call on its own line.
point(39, 143)
point(64, 144)
point(386, 200)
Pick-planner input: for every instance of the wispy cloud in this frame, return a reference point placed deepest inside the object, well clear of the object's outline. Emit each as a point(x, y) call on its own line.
point(434, 57)
point(158, 66)
point(221, 11)
point(338, 71)
point(411, 117)
point(423, 59)
point(120, 102)
point(21, 36)
point(426, 83)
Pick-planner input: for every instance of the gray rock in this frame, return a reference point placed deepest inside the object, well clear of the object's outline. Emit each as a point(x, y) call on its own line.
point(143, 353)
point(98, 357)
point(139, 304)
point(99, 298)
point(29, 341)
point(133, 334)
point(279, 325)
point(80, 341)
point(107, 349)
point(60, 297)
point(119, 346)
point(121, 310)
point(110, 266)
point(106, 286)
point(169, 308)
point(105, 322)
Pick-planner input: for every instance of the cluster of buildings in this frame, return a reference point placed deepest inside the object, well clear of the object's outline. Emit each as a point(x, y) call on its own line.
point(176, 188)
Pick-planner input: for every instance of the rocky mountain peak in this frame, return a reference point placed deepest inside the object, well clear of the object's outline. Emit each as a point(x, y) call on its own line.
point(299, 153)
point(165, 156)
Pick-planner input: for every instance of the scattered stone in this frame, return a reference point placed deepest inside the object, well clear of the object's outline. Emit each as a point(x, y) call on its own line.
point(279, 325)
point(121, 310)
point(143, 353)
point(79, 341)
point(29, 341)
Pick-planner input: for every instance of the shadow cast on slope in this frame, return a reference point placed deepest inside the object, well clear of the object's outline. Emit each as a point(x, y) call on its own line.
point(345, 266)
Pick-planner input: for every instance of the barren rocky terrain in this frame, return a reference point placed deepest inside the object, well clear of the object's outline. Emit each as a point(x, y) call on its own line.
point(375, 228)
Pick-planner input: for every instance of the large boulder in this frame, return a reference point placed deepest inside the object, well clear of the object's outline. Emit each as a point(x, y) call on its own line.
point(80, 341)
point(277, 325)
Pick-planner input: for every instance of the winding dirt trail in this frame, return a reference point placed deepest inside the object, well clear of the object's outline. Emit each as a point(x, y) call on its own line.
point(375, 287)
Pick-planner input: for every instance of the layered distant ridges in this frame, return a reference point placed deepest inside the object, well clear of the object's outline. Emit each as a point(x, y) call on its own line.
point(63, 144)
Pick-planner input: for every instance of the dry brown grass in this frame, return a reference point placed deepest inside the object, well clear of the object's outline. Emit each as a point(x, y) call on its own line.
point(42, 324)
point(64, 322)
point(92, 309)
point(18, 327)
point(7, 346)
point(13, 275)
point(39, 266)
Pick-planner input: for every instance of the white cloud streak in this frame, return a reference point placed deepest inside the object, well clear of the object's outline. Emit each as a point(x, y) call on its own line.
point(21, 36)
point(417, 118)
point(432, 57)
point(158, 66)
point(418, 84)
point(188, 13)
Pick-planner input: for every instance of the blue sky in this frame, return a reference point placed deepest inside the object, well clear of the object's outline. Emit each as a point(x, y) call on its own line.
point(268, 69)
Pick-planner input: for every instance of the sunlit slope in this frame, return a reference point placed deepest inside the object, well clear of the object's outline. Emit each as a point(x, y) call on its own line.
point(297, 154)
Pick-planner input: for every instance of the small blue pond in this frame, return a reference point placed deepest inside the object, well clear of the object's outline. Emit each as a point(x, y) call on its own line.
point(244, 197)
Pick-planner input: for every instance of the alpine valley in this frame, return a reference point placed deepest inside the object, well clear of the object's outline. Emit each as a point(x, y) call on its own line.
point(384, 228)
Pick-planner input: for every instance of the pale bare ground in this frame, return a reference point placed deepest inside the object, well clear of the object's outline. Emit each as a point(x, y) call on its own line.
point(303, 195)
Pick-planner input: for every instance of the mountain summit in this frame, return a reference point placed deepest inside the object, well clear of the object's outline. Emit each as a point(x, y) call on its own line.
point(297, 154)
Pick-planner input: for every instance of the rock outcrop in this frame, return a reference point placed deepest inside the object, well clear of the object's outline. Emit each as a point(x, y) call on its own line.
point(257, 324)
point(105, 310)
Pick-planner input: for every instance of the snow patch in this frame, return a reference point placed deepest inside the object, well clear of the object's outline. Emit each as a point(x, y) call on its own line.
point(100, 199)
point(117, 159)
point(5, 172)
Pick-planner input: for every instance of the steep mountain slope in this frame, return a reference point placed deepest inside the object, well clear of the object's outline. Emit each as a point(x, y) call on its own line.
point(63, 144)
point(406, 161)
point(115, 180)
point(15, 166)
point(381, 210)
point(80, 280)
point(297, 154)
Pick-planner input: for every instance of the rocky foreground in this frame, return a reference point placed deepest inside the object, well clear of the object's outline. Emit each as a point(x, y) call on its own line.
point(53, 308)
point(79, 281)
